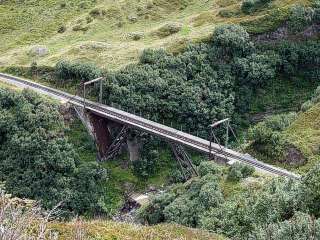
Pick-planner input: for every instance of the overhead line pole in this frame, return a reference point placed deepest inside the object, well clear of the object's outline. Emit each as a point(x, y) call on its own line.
point(91, 82)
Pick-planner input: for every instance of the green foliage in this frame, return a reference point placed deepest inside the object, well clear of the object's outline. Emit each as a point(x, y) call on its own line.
point(227, 13)
point(268, 23)
point(233, 40)
point(76, 71)
point(185, 204)
point(159, 86)
point(153, 213)
point(146, 166)
point(239, 171)
point(250, 6)
point(199, 203)
point(256, 70)
point(214, 78)
point(301, 226)
point(240, 216)
point(209, 168)
point(299, 18)
point(312, 190)
point(314, 100)
point(266, 136)
point(90, 183)
point(296, 57)
point(37, 162)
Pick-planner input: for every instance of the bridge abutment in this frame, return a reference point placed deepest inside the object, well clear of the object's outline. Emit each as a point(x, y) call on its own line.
point(109, 136)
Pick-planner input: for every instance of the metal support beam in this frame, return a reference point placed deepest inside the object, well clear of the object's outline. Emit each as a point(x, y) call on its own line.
point(185, 163)
point(115, 147)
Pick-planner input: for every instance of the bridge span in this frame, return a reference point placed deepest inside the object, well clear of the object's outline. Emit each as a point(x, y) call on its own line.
point(149, 126)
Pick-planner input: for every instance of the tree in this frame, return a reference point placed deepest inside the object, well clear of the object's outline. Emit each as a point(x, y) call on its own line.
point(36, 160)
point(233, 40)
point(312, 190)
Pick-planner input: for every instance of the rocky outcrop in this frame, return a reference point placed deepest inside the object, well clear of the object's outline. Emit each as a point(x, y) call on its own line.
point(283, 33)
point(294, 157)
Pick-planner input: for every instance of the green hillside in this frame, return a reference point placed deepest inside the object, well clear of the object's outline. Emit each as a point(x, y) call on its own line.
point(255, 62)
point(113, 33)
point(304, 133)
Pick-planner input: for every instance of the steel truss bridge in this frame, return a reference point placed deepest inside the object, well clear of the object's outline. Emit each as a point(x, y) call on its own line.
point(174, 137)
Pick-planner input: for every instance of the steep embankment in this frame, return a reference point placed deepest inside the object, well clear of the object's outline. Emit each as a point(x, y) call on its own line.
point(113, 34)
point(304, 133)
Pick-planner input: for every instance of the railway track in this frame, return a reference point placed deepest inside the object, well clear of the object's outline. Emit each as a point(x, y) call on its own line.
point(150, 126)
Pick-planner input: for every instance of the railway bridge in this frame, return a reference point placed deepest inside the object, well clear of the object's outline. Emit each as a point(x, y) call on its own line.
point(102, 118)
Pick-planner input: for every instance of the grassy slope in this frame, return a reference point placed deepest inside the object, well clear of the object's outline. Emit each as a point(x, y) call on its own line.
point(100, 230)
point(106, 42)
point(304, 133)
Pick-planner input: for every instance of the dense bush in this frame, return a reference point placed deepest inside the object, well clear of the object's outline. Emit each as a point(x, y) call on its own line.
point(146, 166)
point(312, 190)
point(239, 171)
point(192, 89)
point(36, 160)
point(252, 214)
point(301, 226)
point(299, 18)
point(266, 136)
point(233, 40)
point(209, 168)
point(239, 216)
point(250, 6)
point(76, 71)
point(186, 203)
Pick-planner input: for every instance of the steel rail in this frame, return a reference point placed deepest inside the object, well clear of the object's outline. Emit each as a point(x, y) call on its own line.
point(152, 127)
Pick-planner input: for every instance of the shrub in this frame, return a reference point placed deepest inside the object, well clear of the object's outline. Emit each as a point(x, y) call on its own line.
point(226, 13)
point(248, 6)
point(153, 213)
point(312, 190)
point(168, 29)
point(80, 27)
point(239, 171)
point(242, 214)
point(63, 4)
point(266, 136)
point(151, 56)
point(233, 39)
point(97, 12)
point(77, 71)
point(62, 29)
point(255, 71)
point(301, 226)
point(89, 19)
point(146, 166)
point(299, 18)
point(184, 204)
point(209, 168)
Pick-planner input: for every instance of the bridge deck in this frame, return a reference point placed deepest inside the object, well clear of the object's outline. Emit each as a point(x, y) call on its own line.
point(149, 126)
